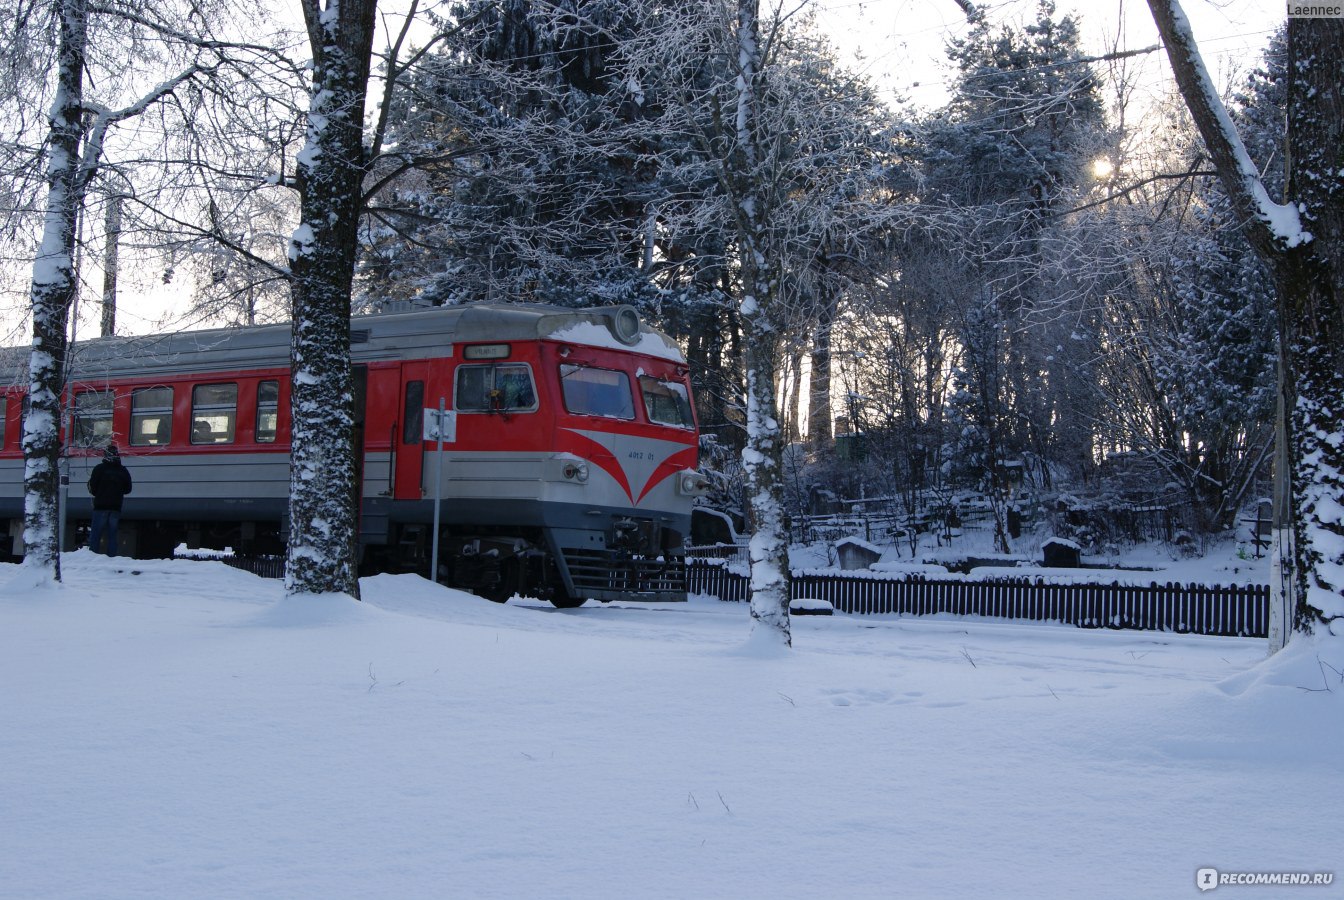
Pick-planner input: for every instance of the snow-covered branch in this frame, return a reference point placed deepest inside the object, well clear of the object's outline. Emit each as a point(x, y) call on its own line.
point(1241, 178)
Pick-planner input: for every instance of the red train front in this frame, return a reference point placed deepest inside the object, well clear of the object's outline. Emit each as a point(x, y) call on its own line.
point(567, 468)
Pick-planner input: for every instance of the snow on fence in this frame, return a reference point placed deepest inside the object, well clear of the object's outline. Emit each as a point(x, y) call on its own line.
point(730, 552)
point(265, 566)
point(1200, 609)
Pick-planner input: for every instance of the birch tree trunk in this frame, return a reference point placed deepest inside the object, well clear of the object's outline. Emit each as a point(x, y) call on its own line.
point(323, 504)
point(1302, 242)
point(759, 306)
point(53, 292)
point(1310, 281)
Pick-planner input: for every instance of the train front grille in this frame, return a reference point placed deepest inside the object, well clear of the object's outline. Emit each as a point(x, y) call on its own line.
point(604, 575)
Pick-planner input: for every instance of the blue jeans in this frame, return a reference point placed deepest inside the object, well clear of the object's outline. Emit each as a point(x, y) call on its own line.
point(104, 522)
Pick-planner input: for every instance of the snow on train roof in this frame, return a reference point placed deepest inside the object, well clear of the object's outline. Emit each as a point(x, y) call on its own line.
point(411, 334)
point(651, 343)
point(526, 321)
point(594, 326)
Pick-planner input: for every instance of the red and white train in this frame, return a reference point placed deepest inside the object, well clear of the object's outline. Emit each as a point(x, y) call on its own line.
point(568, 466)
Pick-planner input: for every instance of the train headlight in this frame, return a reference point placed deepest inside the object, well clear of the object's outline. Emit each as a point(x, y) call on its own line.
point(576, 471)
point(692, 484)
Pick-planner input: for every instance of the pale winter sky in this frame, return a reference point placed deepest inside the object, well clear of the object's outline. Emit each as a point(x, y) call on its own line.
point(901, 42)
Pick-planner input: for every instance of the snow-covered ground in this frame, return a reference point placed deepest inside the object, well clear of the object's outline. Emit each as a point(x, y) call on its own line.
point(177, 729)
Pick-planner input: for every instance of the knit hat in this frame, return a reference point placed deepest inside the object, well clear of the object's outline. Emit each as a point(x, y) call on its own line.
point(111, 453)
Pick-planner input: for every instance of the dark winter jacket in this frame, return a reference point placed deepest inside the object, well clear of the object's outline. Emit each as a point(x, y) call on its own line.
point(109, 483)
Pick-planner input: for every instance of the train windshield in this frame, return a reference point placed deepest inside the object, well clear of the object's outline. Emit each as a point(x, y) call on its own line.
point(597, 392)
point(666, 402)
point(506, 387)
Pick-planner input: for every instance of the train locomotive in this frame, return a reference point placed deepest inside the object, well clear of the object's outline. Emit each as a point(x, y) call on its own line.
point(567, 467)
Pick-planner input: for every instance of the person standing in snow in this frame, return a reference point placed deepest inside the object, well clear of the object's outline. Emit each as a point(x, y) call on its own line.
point(108, 484)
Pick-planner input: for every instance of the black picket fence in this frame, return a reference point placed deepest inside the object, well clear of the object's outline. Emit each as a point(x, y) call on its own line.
point(1193, 608)
point(265, 566)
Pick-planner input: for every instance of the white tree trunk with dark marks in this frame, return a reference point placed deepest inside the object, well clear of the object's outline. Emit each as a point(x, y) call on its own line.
point(323, 505)
point(1302, 241)
point(52, 294)
point(759, 308)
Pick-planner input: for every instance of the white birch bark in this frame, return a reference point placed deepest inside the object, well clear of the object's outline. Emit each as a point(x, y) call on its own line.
point(1302, 242)
point(53, 292)
point(763, 455)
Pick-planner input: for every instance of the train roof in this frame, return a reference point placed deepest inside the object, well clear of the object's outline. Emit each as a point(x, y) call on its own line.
point(406, 334)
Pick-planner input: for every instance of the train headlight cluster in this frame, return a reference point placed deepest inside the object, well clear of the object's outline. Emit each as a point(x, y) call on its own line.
point(576, 471)
point(692, 484)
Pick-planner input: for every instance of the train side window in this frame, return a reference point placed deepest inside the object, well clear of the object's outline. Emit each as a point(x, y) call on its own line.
point(667, 402)
point(597, 392)
point(151, 416)
point(214, 413)
point(268, 411)
point(4, 414)
point(506, 387)
point(93, 419)
point(413, 415)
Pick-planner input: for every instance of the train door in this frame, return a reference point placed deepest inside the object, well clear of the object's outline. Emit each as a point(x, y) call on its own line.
point(361, 391)
point(410, 435)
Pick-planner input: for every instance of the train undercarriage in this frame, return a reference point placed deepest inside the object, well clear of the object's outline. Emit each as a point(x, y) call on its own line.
point(632, 559)
point(635, 560)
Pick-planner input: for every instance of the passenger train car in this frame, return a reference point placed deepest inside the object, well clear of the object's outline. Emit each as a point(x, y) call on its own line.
point(567, 470)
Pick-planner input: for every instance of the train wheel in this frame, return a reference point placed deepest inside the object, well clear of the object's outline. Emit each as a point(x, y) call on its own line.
point(508, 584)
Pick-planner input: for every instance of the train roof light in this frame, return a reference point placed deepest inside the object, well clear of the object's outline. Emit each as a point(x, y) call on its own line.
point(624, 324)
point(486, 351)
